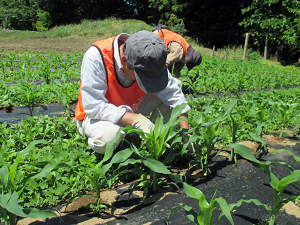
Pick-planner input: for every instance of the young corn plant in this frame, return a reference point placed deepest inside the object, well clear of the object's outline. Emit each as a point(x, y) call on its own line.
point(204, 215)
point(278, 185)
point(210, 137)
point(12, 59)
point(10, 210)
point(66, 93)
point(28, 95)
point(192, 82)
point(156, 143)
point(261, 111)
point(45, 69)
point(286, 111)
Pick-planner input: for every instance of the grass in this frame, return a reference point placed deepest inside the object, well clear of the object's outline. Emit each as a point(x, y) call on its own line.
point(100, 28)
point(78, 37)
point(90, 30)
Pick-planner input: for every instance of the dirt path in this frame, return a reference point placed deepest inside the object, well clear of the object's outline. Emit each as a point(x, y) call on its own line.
point(63, 45)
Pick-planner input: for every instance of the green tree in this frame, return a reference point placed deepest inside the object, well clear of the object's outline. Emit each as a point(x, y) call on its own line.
point(18, 14)
point(167, 12)
point(274, 24)
point(214, 22)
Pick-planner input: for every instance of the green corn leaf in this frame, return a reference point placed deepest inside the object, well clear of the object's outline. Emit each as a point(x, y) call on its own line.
point(206, 125)
point(13, 207)
point(225, 208)
point(227, 110)
point(119, 157)
point(191, 214)
point(241, 201)
point(256, 137)
point(145, 194)
point(175, 208)
point(87, 162)
point(267, 168)
point(176, 177)
point(14, 166)
point(287, 151)
point(176, 112)
point(2, 161)
point(130, 161)
point(136, 150)
point(244, 152)
point(156, 166)
point(193, 192)
point(295, 176)
point(4, 199)
point(4, 176)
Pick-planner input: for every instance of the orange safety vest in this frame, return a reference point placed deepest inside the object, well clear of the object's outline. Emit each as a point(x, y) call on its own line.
point(168, 36)
point(116, 93)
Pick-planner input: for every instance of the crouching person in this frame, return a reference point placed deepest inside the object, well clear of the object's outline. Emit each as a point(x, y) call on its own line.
point(123, 79)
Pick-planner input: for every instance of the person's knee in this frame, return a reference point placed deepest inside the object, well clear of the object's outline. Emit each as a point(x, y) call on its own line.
point(99, 141)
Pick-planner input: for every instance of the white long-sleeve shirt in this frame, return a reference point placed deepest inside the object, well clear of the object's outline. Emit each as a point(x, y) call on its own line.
point(94, 86)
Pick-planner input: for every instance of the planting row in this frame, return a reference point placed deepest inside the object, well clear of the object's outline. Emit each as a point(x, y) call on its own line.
point(219, 75)
point(251, 116)
point(31, 95)
point(213, 75)
point(57, 165)
point(26, 66)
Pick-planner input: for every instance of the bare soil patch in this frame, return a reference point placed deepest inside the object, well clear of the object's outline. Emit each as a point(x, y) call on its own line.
point(62, 45)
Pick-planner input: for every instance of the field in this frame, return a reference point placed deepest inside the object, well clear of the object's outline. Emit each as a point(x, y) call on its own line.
point(245, 125)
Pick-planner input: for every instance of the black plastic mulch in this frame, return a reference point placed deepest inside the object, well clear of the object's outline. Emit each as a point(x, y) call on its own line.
point(14, 115)
point(231, 182)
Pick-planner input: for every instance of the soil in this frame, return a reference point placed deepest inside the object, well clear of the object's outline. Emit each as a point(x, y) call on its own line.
point(45, 45)
point(232, 182)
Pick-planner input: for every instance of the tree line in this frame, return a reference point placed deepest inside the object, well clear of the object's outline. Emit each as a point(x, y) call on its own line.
point(272, 23)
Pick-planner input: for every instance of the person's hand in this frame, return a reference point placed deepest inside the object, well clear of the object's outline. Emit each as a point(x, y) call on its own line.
point(143, 123)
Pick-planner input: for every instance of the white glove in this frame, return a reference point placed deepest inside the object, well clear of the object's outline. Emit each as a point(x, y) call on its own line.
point(143, 123)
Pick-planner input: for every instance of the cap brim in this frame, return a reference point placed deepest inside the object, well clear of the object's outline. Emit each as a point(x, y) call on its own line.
point(152, 84)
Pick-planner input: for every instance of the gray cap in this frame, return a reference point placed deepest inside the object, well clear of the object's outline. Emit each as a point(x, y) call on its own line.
point(147, 54)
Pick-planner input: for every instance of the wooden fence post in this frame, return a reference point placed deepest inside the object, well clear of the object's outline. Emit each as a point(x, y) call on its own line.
point(213, 54)
point(266, 47)
point(246, 44)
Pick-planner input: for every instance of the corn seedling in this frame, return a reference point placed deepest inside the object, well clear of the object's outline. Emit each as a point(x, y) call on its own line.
point(10, 209)
point(192, 82)
point(286, 111)
point(28, 95)
point(204, 215)
point(66, 95)
point(211, 137)
point(11, 59)
point(155, 143)
point(261, 111)
point(278, 185)
point(45, 69)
